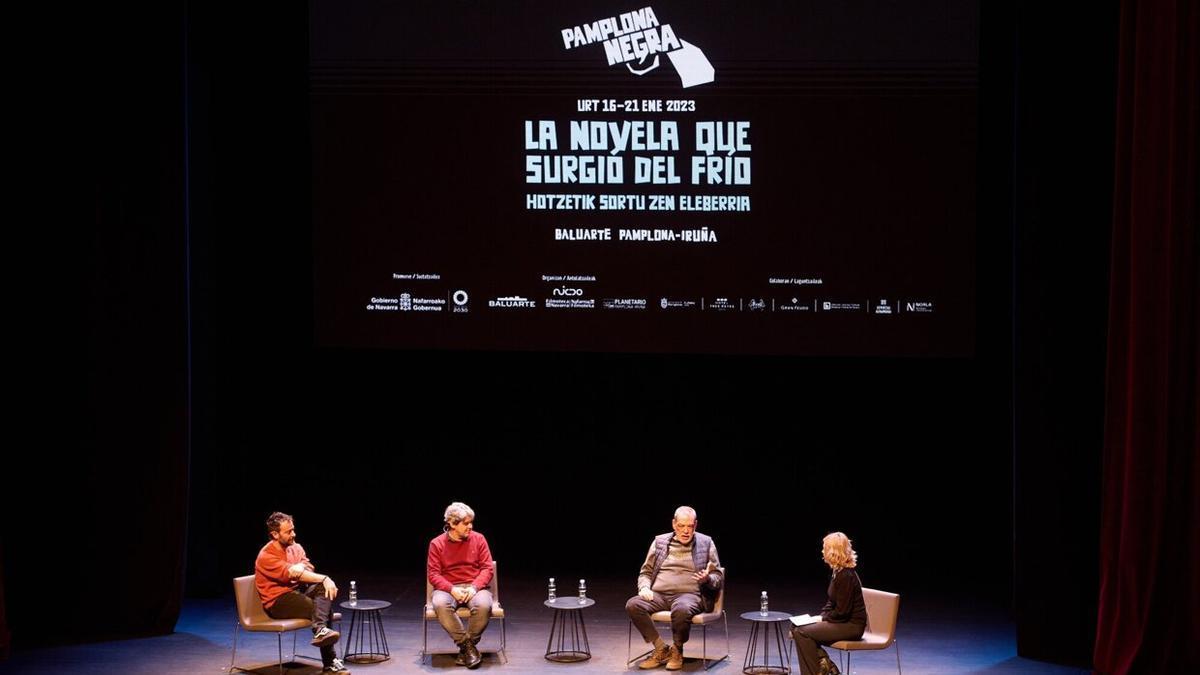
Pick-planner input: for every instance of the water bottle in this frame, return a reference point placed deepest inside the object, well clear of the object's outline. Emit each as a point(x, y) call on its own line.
point(582, 592)
point(762, 604)
point(353, 593)
point(551, 596)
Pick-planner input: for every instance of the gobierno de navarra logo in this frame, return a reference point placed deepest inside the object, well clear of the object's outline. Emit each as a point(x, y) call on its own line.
point(637, 38)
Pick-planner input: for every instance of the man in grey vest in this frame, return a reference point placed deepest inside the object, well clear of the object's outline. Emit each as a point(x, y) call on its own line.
point(680, 574)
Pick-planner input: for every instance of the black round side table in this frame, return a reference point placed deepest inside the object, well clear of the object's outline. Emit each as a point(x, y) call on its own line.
point(572, 644)
point(771, 627)
point(366, 620)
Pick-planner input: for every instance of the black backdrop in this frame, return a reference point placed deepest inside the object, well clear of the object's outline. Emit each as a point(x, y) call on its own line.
point(912, 457)
point(863, 122)
point(366, 447)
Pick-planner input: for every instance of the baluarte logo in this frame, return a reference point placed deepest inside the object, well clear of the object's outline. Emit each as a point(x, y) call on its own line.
point(638, 37)
point(511, 302)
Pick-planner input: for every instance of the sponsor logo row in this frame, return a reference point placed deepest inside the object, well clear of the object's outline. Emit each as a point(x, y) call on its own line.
point(566, 297)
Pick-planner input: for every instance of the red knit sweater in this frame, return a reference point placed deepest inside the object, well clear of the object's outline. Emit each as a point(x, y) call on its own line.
point(456, 563)
point(271, 570)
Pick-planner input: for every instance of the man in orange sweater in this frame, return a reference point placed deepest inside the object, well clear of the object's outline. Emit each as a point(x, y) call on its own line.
point(459, 567)
point(291, 588)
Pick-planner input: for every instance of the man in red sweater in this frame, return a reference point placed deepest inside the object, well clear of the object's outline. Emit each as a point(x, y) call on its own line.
point(459, 567)
point(291, 588)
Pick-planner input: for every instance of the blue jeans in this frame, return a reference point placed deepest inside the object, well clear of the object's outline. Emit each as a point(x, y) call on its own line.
point(445, 607)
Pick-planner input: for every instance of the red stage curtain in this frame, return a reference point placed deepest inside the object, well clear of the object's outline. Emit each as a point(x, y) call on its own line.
point(1150, 520)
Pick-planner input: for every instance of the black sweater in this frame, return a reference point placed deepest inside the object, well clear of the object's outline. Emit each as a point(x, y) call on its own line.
point(845, 599)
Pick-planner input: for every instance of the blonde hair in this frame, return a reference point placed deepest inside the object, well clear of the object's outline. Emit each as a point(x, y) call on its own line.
point(837, 551)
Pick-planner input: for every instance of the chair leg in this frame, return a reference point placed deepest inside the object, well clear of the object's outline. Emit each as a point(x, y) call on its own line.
point(504, 640)
point(279, 646)
point(725, 618)
point(425, 638)
point(896, 643)
point(629, 644)
point(233, 659)
point(709, 664)
point(306, 657)
point(629, 649)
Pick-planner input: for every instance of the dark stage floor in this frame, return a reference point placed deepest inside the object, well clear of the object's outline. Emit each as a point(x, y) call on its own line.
point(936, 636)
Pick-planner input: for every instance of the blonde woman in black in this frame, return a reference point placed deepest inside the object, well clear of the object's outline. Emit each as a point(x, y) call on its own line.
point(844, 616)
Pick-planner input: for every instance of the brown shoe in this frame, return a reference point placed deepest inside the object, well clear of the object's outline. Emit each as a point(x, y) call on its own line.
point(657, 658)
point(675, 658)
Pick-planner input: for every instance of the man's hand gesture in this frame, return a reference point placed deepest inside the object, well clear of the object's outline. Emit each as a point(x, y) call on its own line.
point(331, 589)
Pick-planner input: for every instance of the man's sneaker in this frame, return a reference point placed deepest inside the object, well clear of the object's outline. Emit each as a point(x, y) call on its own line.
point(675, 658)
point(336, 667)
point(325, 637)
point(657, 658)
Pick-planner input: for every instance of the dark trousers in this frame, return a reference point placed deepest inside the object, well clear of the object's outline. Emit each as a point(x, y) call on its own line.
point(809, 639)
point(683, 607)
point(309, 603)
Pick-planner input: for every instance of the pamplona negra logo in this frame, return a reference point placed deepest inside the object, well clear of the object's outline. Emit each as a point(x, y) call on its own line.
point(636, 39)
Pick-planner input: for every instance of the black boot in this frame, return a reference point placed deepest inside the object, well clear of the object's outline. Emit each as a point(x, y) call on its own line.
point(471, 656)
point(826, 666)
